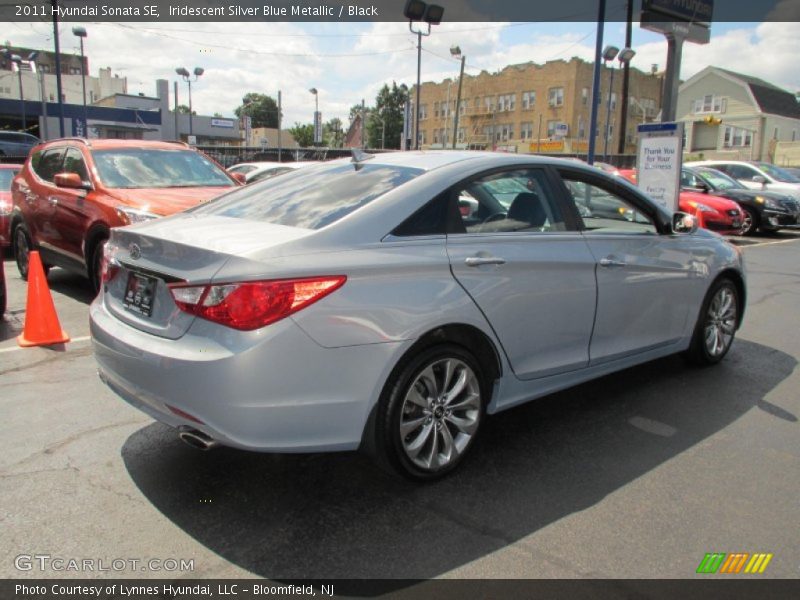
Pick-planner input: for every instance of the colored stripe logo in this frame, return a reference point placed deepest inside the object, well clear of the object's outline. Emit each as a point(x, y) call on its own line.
point(734, 563)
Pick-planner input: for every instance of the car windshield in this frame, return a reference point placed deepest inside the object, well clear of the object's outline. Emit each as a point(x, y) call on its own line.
point(718, 180)
point(778, 174)
point(6, 177)
point(151, 168)
point(311, 198)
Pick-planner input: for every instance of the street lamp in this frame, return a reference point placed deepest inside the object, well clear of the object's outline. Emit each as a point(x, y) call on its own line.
point(432, 14)
point(609, 54)
point(317, 120)
point(455, 52)
point(624, 57)
point(188, 79)
point(19, 61)
point(80, 32)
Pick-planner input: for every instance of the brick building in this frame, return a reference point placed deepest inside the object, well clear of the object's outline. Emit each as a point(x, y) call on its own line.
point(530, 108)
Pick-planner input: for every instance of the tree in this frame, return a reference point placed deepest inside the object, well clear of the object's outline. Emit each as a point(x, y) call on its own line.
point(184, 110)
point(262, 110)
point(332, 133)
point(303, 134)
point(386, 119)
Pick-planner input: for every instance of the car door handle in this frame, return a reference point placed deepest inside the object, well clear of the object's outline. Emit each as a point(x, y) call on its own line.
point(52, 200)
point(477, 261)
point(611, 262)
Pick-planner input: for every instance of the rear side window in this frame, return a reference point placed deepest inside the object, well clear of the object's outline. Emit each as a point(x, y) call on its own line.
point(46, 164)
point(313, 197)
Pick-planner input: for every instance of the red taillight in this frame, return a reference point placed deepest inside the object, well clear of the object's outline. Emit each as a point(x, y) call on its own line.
point(108, 266)
point(253, 304)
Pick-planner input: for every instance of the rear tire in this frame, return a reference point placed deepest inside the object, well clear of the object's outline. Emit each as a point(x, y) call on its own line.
point(22, 246)
point(716, 326)
point(430, 412)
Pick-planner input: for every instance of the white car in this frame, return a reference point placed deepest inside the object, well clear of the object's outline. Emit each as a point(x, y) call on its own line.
point(268, 170)
point(755, 175)
point(246, 167)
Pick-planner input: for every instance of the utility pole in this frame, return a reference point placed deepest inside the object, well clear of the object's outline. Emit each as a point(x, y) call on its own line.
point(363, 124)
point(601, 17)
point(626, 73)
point(54, 4)
point(458, 101)
point(279, 126)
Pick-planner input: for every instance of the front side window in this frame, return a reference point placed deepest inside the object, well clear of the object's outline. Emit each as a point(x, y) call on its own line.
point(510, 201)
point(151, 168)
point(313, 197)
point(74, 163)
point(605, 211)
point(47, 163)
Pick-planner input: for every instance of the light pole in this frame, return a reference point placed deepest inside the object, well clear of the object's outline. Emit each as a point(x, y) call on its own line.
point(80, 32)
point(455, 51)
point(19, 61)
point(609, 54)
point(432, 14)
point(624, 57)
point(198, 71)
point(317, 120)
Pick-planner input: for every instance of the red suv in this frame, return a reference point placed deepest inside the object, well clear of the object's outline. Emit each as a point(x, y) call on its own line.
point(72, 191)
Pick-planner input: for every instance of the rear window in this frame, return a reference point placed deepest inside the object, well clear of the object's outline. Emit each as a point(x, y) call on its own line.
point(151, 168)
point(6, 177)
point(311, 198)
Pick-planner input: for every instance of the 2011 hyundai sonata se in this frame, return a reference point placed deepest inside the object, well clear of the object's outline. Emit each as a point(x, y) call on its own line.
point(391, 302)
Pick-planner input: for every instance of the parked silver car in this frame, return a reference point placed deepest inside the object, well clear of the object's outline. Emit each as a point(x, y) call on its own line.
point(353, 304)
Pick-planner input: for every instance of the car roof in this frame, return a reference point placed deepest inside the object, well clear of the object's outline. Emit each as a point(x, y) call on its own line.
point(109, 144)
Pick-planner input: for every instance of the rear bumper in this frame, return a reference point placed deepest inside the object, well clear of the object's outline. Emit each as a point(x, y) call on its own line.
point(271, 390)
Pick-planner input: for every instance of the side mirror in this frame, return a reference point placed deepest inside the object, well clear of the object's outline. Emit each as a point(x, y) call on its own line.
point(240, 177)
point(684, 223)
point(703, 188)
point(69, 180)
point(760, 179)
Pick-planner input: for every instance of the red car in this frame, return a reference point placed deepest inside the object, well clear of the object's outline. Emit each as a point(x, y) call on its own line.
point(72, 191)
point(713, 212)
point(7, 173)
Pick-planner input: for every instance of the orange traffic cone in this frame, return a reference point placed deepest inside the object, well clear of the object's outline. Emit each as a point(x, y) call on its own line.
point(41, 321)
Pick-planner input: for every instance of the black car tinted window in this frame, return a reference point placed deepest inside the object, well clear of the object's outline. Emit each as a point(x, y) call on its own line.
point(314, 197)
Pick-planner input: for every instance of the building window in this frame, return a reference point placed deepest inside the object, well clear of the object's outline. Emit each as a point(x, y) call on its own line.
point(421, 137)
point(551, 128)
point(710, 103)
point(461, 134)
point(462, 108)
point(506, 102)
point(581, 128)
point(423, 111)
point(528, 100)
point(435, 109)
point(736, 136)
point(585, 96)
point(555, 96)
point(488, 103)
point(506, 132)
point(526, 131)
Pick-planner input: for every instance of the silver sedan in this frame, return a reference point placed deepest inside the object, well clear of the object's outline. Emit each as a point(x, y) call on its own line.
point(391, 302)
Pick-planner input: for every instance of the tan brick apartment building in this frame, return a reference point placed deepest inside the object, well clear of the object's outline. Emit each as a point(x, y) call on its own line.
point(530, 108)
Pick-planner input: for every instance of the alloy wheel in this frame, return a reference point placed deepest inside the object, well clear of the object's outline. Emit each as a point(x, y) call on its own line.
point(440, 414)
point(720, 322)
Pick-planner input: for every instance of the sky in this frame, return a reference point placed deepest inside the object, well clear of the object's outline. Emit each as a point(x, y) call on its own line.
point(350, 61)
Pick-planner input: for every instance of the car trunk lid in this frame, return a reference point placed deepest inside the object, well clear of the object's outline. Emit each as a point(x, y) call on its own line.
point(147, 258)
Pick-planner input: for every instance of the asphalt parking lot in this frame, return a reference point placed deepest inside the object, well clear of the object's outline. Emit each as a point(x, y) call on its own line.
point(638, 474)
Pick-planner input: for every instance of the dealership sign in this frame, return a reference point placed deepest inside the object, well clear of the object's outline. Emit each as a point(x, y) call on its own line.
point(691, 11)
point(658, 162)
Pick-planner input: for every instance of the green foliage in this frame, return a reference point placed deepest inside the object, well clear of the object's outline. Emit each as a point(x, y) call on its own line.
point(262, 110)
point(386, 119)
point(304, 134)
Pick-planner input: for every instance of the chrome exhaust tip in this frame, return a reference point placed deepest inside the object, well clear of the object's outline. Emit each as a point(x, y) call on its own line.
point(197, 439)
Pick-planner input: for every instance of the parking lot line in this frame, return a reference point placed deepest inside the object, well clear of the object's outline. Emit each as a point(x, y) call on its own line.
point(771, 243)
point(84, 338)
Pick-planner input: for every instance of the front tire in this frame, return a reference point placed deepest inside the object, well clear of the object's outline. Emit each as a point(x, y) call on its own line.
point(716, 325)
point(750, 222)
point(430, 413)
